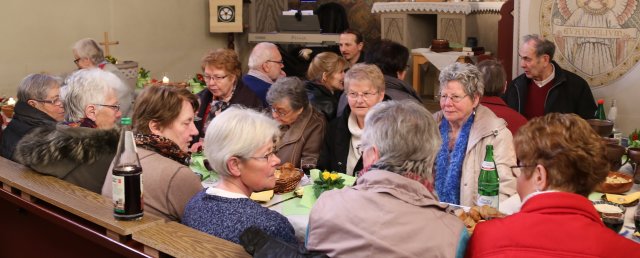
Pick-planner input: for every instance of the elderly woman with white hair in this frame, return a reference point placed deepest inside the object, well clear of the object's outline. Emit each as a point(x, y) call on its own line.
point(77, 151)
point(302, 126)
point(39, 104)
point(399, 145)
point(239, 145)
point(87, 54)
point(466, 128)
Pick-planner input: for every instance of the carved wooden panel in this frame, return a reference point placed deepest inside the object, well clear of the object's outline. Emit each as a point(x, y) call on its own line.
point(264, 14)
point(451, 28)
point(394, 28)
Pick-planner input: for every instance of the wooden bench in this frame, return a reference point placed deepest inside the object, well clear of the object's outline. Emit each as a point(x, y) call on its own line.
point(76, 200)
point(181, 241)
point(52, 217)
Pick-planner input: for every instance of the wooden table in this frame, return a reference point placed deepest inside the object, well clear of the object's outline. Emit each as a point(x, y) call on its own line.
point(419, 59)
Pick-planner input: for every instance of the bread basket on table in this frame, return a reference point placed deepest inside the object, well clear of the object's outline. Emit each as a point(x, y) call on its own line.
point(287, 178)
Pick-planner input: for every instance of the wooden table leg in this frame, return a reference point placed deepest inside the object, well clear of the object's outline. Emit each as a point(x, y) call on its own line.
point(418, 59)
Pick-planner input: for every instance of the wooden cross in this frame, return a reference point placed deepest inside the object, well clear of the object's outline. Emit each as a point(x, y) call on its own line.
point(106, 43)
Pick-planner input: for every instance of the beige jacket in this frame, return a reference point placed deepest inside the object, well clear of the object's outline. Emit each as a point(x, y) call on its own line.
point(304, 137)
point(487, 129)
point(384, 215)
point(167, 185)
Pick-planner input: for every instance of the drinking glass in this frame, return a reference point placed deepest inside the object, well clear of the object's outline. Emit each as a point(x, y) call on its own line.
point(614, 221)
point(307, 164)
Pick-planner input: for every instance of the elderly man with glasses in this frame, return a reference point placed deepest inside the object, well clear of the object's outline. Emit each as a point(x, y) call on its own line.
point(265, 67)
point(79, 150)
point(38, 105)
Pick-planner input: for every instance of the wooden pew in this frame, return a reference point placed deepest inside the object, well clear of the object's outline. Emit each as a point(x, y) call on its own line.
point(181, 241)
point(54, 218)
point(97, 209)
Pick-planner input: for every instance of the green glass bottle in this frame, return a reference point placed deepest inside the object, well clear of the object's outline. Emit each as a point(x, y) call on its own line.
point(488, 181)
point(600, 111)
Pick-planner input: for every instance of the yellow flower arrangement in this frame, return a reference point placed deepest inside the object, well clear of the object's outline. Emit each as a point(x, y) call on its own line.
point(327, 181)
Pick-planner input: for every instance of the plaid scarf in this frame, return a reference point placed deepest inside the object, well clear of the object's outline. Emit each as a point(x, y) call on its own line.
point(163, 146)
point(84, 122)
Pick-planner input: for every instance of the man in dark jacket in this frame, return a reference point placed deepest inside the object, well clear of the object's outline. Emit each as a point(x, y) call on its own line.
point(545, 87)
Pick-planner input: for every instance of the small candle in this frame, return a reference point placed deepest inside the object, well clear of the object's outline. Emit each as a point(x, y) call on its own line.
point(165, 79)
point(11, 102)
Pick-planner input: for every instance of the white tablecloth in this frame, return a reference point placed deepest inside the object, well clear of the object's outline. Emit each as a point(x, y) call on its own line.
point(442, 59)
point(438, 7)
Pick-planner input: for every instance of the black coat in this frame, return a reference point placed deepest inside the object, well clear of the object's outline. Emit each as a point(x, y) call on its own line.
point(25, 119)
point(322, 99)
point(242, 96)
point(335, 150)
point(569, 94)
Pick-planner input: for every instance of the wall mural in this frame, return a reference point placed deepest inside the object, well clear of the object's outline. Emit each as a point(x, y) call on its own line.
point(596, 39)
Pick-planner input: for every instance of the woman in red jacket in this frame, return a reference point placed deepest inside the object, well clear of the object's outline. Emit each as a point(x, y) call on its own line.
point(561, 161)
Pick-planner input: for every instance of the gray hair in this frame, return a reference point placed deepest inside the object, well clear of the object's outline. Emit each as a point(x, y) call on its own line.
point(36, 86)
point(89, 48)
point(542, 46)
point(493, 77)
point(466, 74)
point(406, 135)
point(365, 72)
point(291, 88)
point(260, 54)
point(237, 132)
point(85, 87)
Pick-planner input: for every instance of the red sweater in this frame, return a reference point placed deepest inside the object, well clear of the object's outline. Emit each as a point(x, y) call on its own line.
point(500, 108)
point(557, 224)
point(536, 99)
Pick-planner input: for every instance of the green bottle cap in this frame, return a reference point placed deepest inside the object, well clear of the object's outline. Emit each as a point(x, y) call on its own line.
point(125, 121)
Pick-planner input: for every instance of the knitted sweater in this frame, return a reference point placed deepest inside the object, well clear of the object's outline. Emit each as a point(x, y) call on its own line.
point(227, 218)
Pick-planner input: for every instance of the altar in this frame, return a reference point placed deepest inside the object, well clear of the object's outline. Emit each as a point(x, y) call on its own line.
point(415, 24)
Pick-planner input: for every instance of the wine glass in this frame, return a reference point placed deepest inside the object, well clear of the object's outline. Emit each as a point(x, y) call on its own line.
point(307, 164)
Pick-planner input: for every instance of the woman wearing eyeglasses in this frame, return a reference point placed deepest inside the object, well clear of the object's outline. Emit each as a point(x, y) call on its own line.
point(364, 87)
point(88, 55)
point(302, 126)
point(239, 145)
point(561, 161)
point(163, 122)
point(225, 88)
point(466, 128)
point(38, 105)
point(80, 150)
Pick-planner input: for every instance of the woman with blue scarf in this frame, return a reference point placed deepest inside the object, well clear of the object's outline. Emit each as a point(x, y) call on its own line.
point(467, 128)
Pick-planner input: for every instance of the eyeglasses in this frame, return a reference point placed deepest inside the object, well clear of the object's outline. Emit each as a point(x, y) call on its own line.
point(215, 78)
point(268, 157)
point(453, 98)
point(114, 107)
point(522, 166)
point(364, 95)
point(277, 62)
point(280, 113)
point(56, 101)
point(77, 60)
point(361, 148)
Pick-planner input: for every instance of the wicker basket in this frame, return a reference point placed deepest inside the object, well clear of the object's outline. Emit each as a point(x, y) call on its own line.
point(288, 180)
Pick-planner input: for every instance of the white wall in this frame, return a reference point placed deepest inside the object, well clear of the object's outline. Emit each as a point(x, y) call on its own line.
point(626, 90)
point(164, 36)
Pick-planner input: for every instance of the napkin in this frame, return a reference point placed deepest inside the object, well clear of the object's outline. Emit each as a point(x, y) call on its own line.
point(623, 199)
point(308, 199)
